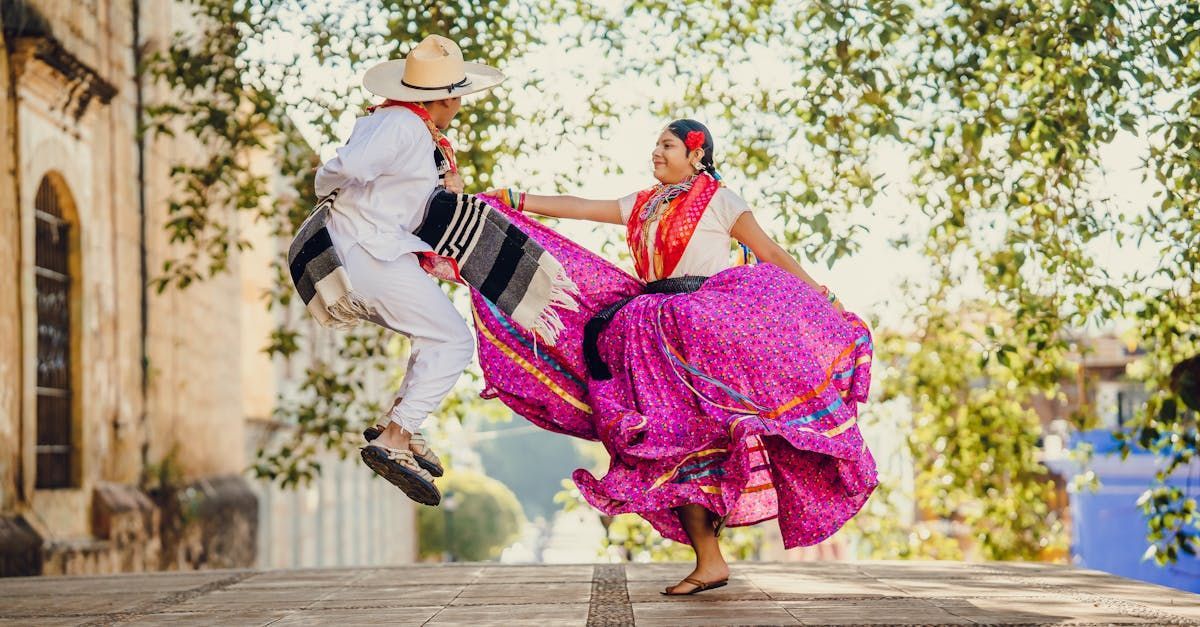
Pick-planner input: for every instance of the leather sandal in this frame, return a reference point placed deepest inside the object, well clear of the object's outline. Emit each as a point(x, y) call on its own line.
point(401, 469)
point(420, 448)
point(700, 587)
point(719, 525)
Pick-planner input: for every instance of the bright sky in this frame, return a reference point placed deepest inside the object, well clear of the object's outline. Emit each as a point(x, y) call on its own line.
point(868, 281)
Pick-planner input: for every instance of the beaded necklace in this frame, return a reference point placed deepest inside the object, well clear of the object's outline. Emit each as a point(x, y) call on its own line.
point(676, 209)
point(659, 207)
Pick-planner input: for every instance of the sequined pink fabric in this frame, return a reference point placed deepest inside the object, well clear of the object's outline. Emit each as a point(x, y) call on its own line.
point(742, 396)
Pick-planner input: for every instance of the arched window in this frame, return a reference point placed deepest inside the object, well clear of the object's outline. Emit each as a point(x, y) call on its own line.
point(52, 280)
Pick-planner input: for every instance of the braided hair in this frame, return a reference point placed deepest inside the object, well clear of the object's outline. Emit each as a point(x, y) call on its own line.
point(681, 128)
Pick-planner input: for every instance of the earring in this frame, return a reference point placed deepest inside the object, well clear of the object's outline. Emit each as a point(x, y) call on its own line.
point(698, 167)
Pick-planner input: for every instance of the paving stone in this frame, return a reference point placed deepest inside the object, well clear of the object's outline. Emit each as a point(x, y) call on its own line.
point(305, 577)
point(608, 605)
point(981, 586)
point(697, 611)
point(395, 596)
point(508, 615)
point(420, 574)
point(797, 587)
point(1173, 603)
point(207, 619)
point(49, 622)
point(824, 593)
point(45, 605)
point(535, 574)
point(108, 584)
point(1041, 610)
point(524, 593)
point(923, 569)
point(409, 616)
point(667, 572)
point(872, 612)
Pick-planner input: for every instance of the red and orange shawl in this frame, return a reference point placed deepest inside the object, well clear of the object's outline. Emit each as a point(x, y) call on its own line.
point(675, 227)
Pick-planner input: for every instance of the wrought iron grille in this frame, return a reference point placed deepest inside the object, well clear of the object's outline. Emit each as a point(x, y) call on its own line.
point(52, 278)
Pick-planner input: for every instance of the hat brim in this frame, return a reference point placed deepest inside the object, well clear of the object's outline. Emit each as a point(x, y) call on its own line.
point(386, 78)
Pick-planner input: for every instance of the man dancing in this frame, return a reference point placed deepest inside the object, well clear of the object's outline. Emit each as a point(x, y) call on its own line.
point(393, 211)
point(376, 190)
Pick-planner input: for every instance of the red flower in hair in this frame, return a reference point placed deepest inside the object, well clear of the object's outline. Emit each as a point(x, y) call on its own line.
point(694, 140)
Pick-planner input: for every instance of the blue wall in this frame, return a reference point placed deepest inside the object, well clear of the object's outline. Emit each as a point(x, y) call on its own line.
point(1109, 528)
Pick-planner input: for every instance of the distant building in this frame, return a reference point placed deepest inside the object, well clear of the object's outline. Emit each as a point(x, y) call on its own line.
point(1107, 525)
point(107, 388)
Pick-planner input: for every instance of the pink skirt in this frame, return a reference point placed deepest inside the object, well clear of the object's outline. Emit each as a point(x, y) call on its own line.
point(741, 396)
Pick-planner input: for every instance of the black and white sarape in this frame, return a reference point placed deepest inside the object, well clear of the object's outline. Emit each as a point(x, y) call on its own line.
point(485, 251)
point(495, 257)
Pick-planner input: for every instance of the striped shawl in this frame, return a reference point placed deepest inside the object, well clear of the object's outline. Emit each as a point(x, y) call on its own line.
point(472, 243)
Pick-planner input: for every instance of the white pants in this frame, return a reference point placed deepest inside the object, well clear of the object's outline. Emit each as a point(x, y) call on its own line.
point(408, 301)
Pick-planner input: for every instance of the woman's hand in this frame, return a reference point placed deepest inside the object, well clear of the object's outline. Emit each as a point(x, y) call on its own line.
point(508, 197)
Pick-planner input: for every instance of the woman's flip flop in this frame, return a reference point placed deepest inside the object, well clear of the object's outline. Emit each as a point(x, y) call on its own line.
point(700, 587)
point(400, 468)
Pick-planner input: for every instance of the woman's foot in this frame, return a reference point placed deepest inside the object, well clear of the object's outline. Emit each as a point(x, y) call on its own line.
point(707, 575)
point(711, 569)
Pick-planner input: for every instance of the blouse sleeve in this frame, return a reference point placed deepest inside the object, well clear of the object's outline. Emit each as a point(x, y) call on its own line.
point(729, 207)
point(625, 203)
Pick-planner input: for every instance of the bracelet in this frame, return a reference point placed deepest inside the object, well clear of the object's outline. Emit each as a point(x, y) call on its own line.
point(514, 199)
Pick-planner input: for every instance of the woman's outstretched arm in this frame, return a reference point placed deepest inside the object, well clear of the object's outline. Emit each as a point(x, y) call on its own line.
point(571, 207)
point(747, 231)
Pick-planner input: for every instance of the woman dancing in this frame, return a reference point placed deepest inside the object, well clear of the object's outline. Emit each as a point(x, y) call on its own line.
point(724, 395)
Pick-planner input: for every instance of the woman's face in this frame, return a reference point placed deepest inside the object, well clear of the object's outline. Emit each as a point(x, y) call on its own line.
point(671, 160)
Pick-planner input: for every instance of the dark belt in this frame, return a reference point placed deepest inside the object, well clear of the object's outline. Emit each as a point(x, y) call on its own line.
point(597, 369)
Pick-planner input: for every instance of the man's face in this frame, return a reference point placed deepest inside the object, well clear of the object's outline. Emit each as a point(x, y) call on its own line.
point(443, 111)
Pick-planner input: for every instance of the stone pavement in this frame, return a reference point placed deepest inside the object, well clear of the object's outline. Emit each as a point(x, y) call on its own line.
point(810, 593)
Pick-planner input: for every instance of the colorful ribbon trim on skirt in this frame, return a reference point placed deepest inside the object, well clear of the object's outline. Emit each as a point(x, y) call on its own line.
point(748, 406)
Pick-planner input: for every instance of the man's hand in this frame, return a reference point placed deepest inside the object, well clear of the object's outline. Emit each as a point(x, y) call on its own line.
point(454, 182)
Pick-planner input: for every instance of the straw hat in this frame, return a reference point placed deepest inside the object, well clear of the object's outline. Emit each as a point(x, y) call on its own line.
point(434, 70)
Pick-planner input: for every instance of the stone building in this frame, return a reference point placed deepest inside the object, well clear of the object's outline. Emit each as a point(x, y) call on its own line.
point(107, 388)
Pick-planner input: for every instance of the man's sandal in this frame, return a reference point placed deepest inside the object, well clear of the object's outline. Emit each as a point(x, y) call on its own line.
point(700, 587)
point(420, 448)
point(401, 469)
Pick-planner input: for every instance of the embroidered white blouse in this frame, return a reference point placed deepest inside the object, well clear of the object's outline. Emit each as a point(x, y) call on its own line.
point(707, 253)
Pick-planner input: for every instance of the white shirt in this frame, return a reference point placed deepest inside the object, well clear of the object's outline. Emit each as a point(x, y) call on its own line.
point(707, 253)
point(385, 173)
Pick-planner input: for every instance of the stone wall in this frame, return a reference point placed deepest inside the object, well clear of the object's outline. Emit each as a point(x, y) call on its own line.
point(68, 115)
point(10, 310)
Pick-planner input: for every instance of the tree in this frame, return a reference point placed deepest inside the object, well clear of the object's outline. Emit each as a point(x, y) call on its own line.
point(235, 93)
point(1002, 110)
point(1020, 99)
point(484, 519)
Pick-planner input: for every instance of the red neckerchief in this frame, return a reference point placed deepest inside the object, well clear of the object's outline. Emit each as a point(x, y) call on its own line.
point(439, 140)
point(676, 225)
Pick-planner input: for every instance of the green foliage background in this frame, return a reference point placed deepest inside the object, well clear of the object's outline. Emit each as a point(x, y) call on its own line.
point(1002, 110)
point(486, 518)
